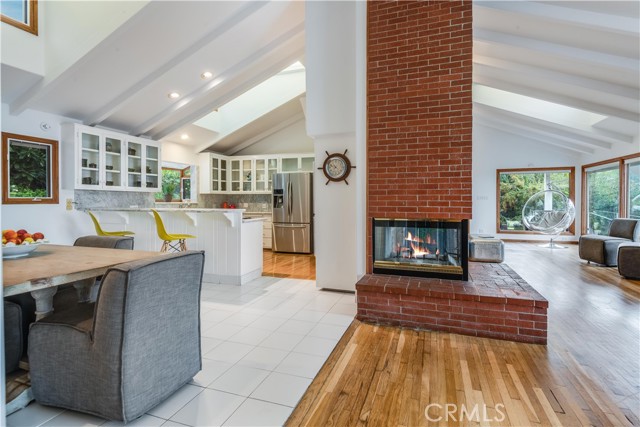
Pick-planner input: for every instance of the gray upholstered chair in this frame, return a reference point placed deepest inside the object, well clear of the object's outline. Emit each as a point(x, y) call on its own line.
point(67, 296)
point(133, 348)
point(12, 336)
point(604, 249)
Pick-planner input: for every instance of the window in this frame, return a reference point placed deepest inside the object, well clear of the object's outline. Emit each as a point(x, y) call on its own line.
point(516, 186)
point(603, 197)
point(633, 188)
point(30, 170)
point(610, 189)
point(176, 185)
point(22, 14)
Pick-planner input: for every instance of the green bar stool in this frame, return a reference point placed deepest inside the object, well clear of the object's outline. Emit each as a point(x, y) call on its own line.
point(169, 239)
point(101, 232)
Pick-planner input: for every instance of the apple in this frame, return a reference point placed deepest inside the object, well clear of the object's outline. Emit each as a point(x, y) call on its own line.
point(9, 234)
point(37, 236)
point(22, 231)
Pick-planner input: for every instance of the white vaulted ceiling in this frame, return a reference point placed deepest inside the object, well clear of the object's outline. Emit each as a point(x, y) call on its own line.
point(563, 73)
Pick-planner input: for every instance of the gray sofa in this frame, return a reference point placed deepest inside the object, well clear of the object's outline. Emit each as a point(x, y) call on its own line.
point(604, 249)
point(13, 346)
point(629, 260)
point(128, 352)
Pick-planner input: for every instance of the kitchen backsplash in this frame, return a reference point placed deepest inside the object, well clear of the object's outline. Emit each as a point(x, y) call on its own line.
point(87, 199)
point(255, 202)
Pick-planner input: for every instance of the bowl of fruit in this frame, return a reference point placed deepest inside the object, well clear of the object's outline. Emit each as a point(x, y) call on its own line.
point(16, 244)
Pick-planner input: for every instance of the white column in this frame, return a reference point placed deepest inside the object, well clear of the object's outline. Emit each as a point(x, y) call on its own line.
point(336, 105)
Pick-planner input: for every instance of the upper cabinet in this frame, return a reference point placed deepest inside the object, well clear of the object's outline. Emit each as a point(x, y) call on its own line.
point(105, 160)
point(248, 174)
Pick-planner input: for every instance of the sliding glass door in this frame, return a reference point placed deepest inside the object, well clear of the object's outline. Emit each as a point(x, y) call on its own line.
point(603, 197)
point(633, 188)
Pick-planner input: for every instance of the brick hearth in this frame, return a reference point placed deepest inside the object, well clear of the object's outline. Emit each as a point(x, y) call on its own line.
point(495, 303)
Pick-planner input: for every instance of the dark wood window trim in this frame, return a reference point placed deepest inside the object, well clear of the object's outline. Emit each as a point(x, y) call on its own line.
point(55, 187)
point(622, 209)
point(32, 26)
point(572, 195)
point(182, 175)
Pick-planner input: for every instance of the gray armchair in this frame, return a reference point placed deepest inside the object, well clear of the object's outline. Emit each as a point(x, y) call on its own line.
point(604, 249)
point(133, 348)
point(12, 336)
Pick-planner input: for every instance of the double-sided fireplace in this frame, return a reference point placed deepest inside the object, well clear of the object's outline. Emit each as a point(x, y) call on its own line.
point(426, 248)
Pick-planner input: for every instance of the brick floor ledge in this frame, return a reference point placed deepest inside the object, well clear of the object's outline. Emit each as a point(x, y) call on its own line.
point(495, 303)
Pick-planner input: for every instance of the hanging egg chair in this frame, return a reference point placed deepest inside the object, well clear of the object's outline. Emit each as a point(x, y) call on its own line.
point(549, 212)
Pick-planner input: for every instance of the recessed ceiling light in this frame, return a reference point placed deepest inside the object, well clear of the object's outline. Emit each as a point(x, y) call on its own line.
point(184, 136)
point(174, 95)
point(206, 75)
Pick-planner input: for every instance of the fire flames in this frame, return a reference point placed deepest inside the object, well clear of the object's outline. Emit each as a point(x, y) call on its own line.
point(418, 246)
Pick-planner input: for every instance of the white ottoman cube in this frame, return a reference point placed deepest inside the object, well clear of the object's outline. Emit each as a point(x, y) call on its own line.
point(486, 249)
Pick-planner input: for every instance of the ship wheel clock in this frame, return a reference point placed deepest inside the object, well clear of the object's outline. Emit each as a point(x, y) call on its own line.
point(336, 167)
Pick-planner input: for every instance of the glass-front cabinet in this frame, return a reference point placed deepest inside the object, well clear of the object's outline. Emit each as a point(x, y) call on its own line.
point(248, 174)
point(106, 160)
point(113, 162)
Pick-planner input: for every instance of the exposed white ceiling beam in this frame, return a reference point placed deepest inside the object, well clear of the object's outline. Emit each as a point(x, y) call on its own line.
point(542, 127)
point(45, 86)
point(573, 97)
point(121, 99)
point(262, 135)
point(532, 135)
point(294, 33)
point(582, 56)
point(225, 93)
point(563, 15)
point(518, 70)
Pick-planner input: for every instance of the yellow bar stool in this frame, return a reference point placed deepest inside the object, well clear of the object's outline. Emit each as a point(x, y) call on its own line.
point(168, 239)
point(101, 232)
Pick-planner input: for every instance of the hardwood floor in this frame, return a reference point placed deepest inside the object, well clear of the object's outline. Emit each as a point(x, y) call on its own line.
point(293, 266)
point(588, 374)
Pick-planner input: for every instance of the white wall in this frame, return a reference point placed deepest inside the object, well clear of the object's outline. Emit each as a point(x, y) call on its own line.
point(57, 224)
point(24, 50)
point(291, 139)
point(73, 28)
point(492, 150)
point(618, 150)
point(335, 120)
point(178, 153)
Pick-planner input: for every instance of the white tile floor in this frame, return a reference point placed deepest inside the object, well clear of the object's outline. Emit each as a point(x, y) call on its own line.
point(262, 344)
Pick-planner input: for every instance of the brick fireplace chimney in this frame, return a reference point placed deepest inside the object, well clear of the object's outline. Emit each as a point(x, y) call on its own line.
point(419, 111)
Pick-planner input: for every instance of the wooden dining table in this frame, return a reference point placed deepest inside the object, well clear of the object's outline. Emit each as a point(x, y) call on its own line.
point(50, 266)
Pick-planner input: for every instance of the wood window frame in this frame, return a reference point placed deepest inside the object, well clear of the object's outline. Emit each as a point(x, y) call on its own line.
point(54, 178)
point(622, 186)
point(32, 26)
point(182, 175)
point(572, 194)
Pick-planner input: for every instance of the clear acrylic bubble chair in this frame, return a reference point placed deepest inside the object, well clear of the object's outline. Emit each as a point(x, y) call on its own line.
point(549, 212)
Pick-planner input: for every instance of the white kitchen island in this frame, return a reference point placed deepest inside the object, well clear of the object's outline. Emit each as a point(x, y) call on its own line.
point(231, 242)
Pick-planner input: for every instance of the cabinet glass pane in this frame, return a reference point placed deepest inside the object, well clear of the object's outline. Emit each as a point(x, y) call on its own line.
point(290, 165)
point(223, 186)
point(134, 165)
point(214, 186)
point(307, 164)
point(260, 185)
point(235, 186)
point(260, 174)
point(90, 159)
point(152, 152)
point(113, 162)
point(214, 174)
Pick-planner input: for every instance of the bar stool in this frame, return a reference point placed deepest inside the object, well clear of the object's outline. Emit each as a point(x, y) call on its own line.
point(168, 239)
point(101, 232)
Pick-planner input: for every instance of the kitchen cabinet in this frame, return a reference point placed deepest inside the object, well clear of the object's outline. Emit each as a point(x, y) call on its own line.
point(213, 173)
point(248, 174)
point(298, 163)
point(266, 231)
point(105, 160)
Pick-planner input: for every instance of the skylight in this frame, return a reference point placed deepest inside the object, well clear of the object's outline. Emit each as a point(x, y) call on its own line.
point(536, 108)
point(257, 101)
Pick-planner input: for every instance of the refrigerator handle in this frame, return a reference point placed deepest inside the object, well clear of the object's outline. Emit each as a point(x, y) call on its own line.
point(290, 199)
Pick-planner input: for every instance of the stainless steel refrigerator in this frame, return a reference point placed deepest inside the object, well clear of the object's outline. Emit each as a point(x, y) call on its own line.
point(293, 212)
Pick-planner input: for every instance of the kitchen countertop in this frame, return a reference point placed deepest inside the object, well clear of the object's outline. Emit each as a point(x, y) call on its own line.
point(163, 209)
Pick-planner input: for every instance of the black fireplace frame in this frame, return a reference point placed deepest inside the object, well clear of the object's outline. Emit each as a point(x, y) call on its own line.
point(463, 242)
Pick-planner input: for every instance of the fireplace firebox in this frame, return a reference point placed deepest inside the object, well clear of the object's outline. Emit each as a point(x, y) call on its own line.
point(426, 248)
